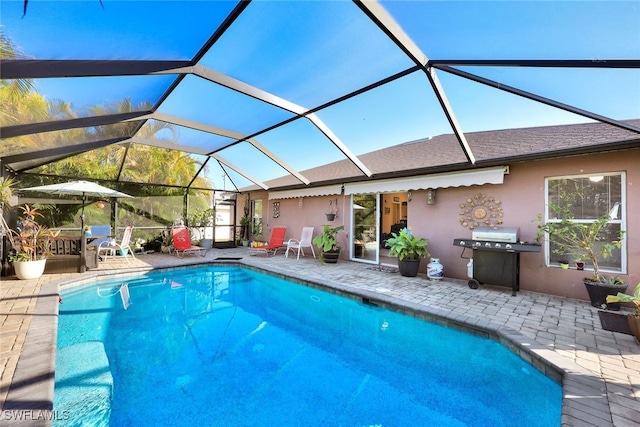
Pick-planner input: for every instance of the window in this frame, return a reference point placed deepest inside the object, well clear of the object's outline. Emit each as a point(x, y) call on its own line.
point(589, 197)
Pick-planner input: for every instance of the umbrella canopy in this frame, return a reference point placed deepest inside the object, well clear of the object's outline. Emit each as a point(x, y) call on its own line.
point(80, 188)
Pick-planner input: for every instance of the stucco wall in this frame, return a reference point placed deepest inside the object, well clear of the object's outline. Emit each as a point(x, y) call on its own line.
point(522, 199)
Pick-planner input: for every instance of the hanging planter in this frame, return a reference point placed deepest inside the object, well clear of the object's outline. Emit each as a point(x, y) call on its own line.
point(332, 211)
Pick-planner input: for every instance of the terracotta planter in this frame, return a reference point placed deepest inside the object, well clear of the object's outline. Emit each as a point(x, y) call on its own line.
point(409, 267)
point(598, 294)
point(26, 270)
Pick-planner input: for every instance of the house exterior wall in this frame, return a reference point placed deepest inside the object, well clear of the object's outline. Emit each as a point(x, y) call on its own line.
point(312, 213)
point(522, 197)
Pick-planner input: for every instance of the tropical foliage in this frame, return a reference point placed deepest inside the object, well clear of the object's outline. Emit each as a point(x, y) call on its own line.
point(31, 241)
point(405, 245)
point(156, 176)
point(586, 241)
point(634, 298)
point(327, 241)
point(6, 190)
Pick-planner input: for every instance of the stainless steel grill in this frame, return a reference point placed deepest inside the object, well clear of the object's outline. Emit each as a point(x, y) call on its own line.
point(496, 234)
point(496, 256)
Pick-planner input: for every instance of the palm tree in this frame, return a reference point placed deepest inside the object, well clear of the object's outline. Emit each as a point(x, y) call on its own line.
point(20, 102)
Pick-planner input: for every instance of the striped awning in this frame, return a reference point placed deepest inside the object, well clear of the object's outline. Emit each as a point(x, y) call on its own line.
point(423, 182)
point(327, 190)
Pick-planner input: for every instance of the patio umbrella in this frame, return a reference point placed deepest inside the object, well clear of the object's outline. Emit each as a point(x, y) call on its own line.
point(79, 188)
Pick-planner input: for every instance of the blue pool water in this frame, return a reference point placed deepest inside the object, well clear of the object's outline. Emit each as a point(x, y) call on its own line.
point(225, 346)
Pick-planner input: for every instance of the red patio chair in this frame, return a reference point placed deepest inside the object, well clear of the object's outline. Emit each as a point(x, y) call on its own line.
point(182, 243)
point(275, 242)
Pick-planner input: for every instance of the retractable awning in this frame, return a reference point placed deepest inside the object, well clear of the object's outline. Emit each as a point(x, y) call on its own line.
point(441, 180)
point(328, 190)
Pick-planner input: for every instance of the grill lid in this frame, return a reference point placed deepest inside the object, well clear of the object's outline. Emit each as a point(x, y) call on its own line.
point(496, 234)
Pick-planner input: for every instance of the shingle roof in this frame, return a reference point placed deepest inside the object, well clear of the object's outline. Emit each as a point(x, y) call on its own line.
point(489, 147)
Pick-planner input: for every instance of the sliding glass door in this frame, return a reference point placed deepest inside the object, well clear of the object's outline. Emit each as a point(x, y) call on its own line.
point(365, 227)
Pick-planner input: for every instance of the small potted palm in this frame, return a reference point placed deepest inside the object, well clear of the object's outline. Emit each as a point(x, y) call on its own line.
point(245, 223)
point(328, 244)
point(634, 318)
point(409, 249)
point(589, 242)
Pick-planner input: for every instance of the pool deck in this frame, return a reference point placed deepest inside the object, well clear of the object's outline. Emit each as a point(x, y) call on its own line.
point(600, 369)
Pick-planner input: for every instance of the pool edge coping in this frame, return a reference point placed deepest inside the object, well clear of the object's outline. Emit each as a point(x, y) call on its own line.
point(582, 391)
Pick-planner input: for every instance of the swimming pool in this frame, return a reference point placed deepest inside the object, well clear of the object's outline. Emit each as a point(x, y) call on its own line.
point(230, 346)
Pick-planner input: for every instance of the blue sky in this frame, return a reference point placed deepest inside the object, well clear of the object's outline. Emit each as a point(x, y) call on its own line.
point(312, 52)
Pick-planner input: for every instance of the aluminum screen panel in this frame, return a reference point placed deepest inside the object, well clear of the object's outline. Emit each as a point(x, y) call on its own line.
point(118, 30)
point(306, 52)
point(267, 92)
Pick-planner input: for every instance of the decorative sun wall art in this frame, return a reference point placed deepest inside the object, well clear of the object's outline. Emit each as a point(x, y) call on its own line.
point(481, 211)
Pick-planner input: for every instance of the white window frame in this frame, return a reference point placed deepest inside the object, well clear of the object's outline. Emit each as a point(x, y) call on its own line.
point(622, 220)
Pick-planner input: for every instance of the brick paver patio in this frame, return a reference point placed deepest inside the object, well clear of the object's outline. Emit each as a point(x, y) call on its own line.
point(600, 369)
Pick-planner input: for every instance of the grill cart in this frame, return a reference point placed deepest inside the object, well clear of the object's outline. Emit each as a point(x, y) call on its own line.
point(496, 256)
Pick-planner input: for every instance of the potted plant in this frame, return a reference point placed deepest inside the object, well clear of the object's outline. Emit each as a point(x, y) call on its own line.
point(328, 244)
point(245, 222)
point(204, 221)
point(587, 242)
point(634, 317)
point(31, 245)
point(332, 211)
point(409, 249)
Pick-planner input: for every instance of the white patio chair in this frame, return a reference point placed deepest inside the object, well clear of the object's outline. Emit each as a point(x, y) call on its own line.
point(110, 247)
point(304, 242)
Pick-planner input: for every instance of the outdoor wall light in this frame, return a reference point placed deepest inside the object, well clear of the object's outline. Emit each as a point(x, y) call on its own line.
point(431, 196)
point(409, 196)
